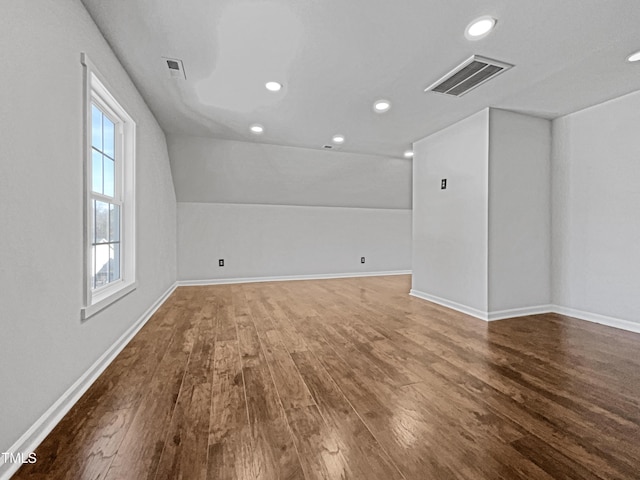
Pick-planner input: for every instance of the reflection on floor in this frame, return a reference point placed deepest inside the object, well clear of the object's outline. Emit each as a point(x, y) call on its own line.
point(353, 378)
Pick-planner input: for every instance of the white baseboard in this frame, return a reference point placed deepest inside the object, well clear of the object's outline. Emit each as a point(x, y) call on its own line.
point(535, 310)
point(286, 278)
point(44, 425)
point(450, 304)
point(28, 442)
point(597, 318)
point(519, 312)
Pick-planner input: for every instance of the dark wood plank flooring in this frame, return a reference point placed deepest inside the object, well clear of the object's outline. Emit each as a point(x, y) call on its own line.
point(352, 378)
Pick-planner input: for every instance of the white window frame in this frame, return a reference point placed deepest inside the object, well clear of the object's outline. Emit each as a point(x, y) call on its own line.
point(98, 92)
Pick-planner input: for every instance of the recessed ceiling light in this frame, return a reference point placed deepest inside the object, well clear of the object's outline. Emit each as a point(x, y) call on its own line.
point(480, 28)
point(273, 86)
point(338, 139)
point(635, 57)
point(257, 129)
point(381, 106)
point(408, 154)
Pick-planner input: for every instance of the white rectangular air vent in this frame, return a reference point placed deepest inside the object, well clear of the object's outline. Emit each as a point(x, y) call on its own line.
point(174, 67)
point(470, 74)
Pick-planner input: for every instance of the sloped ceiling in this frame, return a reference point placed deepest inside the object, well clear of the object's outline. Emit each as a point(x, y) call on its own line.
point(336, 57)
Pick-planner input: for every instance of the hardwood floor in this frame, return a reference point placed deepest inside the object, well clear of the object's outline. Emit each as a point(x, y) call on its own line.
point(352, 378)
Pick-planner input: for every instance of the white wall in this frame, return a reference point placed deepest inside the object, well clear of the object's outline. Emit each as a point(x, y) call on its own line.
point(270, 240)
point(450, 226)
point(222, 171)
point(596, 209)
point(519, 211)
point(281, 211)
point(483, 244)
point(44, 347)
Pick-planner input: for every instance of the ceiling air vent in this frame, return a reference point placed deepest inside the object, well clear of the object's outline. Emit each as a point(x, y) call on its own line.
point(174, 67)
point(470, 74)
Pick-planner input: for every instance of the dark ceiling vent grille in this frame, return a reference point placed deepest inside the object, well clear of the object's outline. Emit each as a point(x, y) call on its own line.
point(175, 68)
point(468, 75)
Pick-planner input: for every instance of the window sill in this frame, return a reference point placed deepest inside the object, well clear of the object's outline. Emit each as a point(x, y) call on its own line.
point(91, 310)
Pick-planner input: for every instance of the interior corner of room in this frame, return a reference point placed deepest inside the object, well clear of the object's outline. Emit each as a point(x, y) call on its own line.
point(519, 198)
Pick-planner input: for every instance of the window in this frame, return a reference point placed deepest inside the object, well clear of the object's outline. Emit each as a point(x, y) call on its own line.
point(109, 215)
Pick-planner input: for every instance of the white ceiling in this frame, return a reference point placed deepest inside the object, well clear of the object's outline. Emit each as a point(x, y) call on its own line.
point(336, 57)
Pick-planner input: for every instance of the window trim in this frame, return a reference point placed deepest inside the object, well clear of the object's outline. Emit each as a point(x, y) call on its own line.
point(98, 91)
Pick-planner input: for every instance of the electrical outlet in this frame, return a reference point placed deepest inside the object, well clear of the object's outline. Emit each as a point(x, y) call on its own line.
point(443, 184)
point(361, 259)
point(221, 262)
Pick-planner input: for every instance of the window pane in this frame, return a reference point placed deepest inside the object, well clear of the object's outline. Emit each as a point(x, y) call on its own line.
point(102, 222)
point(102, 265)
point(108, 137)
point(108, 168)
point(96, 127)
point(114, 223)
point(96, 172)
point(114, 262)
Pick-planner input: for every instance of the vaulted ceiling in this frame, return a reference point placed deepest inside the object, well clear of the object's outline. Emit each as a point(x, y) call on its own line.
point(336, 57)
